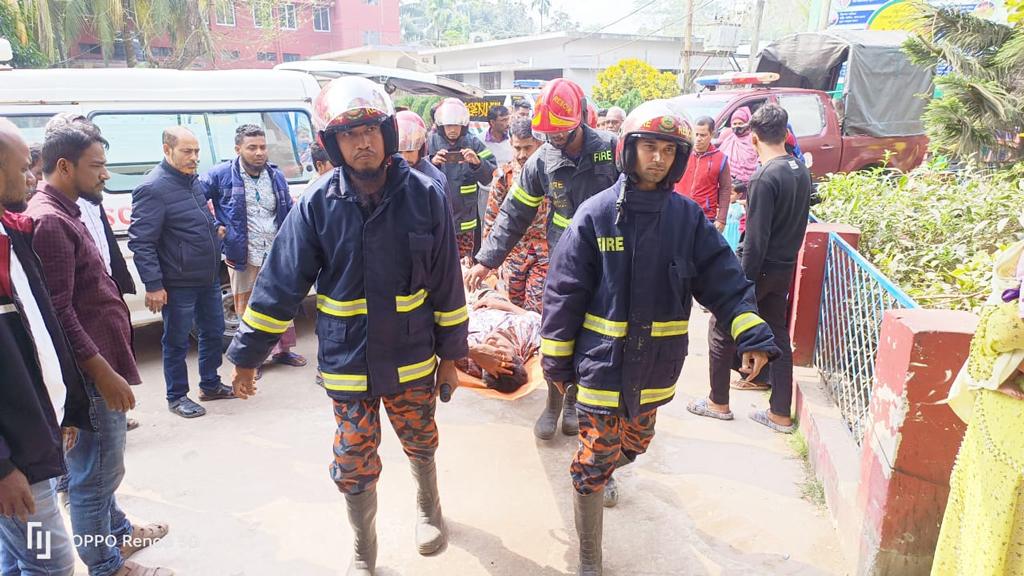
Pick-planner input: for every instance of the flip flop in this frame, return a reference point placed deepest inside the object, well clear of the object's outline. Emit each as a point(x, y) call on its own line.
point(701, 408)
point(761, 417)
point(289, 359)
point(746, 385)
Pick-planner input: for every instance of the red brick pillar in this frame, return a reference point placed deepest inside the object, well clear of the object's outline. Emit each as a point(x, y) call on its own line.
point(910, 441)
point(806, 296)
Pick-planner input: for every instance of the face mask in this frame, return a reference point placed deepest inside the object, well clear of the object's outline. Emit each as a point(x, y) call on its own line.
point(741, 130)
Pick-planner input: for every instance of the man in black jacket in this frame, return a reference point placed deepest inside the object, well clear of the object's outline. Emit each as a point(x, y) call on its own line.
point(40, 388)
point(177, 253)
point(780, 193)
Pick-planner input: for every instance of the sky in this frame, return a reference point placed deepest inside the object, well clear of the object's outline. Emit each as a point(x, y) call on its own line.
point(601, 12)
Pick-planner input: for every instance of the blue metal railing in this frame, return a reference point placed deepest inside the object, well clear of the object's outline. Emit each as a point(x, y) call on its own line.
point(855, 297)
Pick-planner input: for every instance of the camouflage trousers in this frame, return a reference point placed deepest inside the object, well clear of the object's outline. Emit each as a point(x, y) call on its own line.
point(467, 243)
point(603, 439)
point(524, 273)
point(357, 465)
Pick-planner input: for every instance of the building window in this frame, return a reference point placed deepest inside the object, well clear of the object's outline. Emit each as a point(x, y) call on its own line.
point(225, 13)
point(161, 51)
point(322, 18)
point(457, 77)
point(266, 56)
point(263, 15)
point(371, 37)
point(490, 80)
point(288, 20)
point(291, 57)
point(230, 54)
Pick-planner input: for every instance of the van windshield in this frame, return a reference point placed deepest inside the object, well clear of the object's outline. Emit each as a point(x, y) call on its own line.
point(135, 141)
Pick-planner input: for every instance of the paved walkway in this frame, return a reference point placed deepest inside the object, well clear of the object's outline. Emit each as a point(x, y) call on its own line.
point(246, 489)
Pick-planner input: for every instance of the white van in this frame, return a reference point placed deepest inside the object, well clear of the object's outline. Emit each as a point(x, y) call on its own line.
point(133, 106)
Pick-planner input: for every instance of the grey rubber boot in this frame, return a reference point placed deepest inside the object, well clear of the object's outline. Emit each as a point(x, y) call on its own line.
point(430, 535)
point(570, 420)
point(548, 421)
point(362, 515)
point(589, 524)
point(611, 493)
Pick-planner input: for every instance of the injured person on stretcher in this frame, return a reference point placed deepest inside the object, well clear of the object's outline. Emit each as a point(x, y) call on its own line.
point(503, 338)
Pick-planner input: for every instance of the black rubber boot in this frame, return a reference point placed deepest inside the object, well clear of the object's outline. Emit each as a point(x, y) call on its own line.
point(430, 536)
point(362, 515)
point(570, 420)
point(548, 421)
point(589, 511)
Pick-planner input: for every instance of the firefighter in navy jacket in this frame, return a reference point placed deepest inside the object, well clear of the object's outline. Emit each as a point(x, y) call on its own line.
point(617, 305)
point(377, 238)
point(466, 163)
point(575, 163)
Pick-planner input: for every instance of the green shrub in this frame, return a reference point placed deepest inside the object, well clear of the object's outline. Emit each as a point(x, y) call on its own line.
point(933, 232)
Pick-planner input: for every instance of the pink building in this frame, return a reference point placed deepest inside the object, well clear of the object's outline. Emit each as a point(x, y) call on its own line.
point(247, 36)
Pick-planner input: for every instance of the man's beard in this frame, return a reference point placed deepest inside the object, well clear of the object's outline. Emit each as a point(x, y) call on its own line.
point(94, 198)
point(368, 175)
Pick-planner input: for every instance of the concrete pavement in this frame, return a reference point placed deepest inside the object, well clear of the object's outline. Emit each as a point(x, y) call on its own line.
point(246, 488)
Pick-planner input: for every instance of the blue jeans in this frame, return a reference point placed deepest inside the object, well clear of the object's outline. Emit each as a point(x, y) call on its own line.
point(95, 470)
point(204, 307)
point(17, 558)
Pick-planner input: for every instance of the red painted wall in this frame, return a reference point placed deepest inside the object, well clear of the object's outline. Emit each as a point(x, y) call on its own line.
point(350, 20)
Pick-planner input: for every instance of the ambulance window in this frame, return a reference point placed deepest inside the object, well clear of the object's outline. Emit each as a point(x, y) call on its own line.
point(288, 138)
point(135, 141)
point(31, 127)
point(136, 144)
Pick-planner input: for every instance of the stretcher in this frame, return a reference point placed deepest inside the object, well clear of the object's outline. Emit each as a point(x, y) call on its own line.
point(535, 377)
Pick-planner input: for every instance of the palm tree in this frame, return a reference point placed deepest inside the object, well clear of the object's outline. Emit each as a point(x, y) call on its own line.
point(439, 14)
point(980, 113)
point(543, 7)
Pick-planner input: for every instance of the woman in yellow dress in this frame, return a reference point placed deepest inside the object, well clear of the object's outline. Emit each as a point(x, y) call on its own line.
point(983, 529)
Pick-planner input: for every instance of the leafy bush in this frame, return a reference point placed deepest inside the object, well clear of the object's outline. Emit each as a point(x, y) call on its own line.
point(932, 232)
point(418, 104)
point(630, 82)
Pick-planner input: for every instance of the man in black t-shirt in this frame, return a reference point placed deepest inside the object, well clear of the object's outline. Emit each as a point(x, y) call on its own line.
point(779, 201)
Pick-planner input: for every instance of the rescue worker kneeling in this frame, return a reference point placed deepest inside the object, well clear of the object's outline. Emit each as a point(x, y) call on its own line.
point(377, 238)
point(617, 305)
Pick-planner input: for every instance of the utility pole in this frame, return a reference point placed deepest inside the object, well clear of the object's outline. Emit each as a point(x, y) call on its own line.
point(686, 69)
point(755, 38)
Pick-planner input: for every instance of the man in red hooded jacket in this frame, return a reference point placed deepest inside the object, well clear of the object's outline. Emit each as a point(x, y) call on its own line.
point(707, 180)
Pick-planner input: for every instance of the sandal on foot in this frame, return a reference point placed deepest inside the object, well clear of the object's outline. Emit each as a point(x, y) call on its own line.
point(130, 568)
point(761, 417)
point(186, 408)
point(746, 385)
point(142, 537)
point(289, 359)
point(221, 392)
point(131, 424)
point(702, 408)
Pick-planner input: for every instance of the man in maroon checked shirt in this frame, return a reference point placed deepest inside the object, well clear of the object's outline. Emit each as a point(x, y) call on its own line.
point(98, 325)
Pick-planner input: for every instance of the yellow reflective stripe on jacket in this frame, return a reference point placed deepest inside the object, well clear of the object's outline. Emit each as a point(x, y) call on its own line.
point(523, 196)
point(342, 309)
point(557, 348)
point(264, 323)
point(411, 302)
point(468, 189)
point(744, 322)
point(652, 395)
point(416, 371)
point(672, 328)
point(348, 308)
point(560, 221)
point(453, 318)
point(604, 326)
point(594, 397)
point(484, 154)
point(344, 382)
point(471, 225)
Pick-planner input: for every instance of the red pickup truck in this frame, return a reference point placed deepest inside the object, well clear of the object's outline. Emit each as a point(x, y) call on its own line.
point(816, 124)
